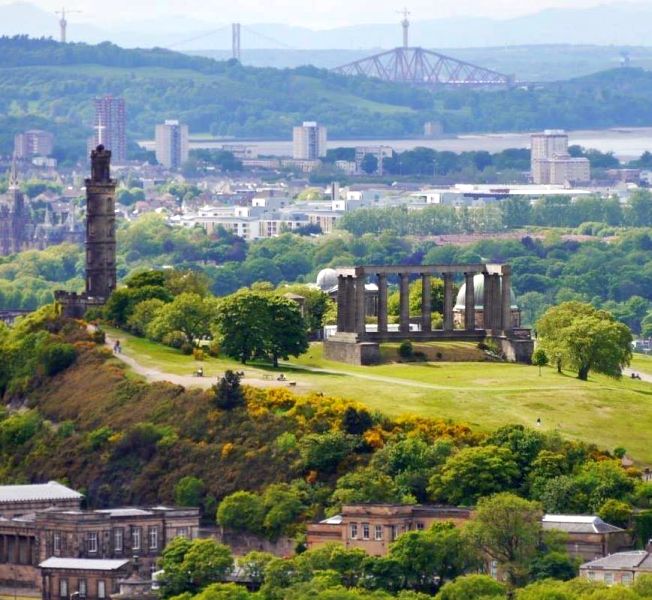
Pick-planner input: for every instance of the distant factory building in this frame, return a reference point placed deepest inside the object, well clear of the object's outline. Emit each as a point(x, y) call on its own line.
point(171, 144)
point(34, 142)
point(111, 127)
point(308, 141)
point(552, 164)
point(380, 153)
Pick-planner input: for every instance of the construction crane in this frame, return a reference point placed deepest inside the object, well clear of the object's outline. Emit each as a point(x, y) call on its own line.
point(63, 23)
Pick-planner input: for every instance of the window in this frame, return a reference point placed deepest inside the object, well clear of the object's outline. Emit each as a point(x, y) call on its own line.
point(591, 575)
point(63, 588)
point(378, 533)
point(392, 532)
point(101, 589)
point(118, 540)
point(420, 526)
point(82, 588)
point(183, 532)
point(626, 578)
point(608, 578)
point(91, 542)
point(365, 531)
point(153, 538)
point(135, 538)
point(56, 542)
point(354, 530)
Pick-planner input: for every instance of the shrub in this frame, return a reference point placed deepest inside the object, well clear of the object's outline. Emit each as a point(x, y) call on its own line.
point(198, 354)
point(406, 350)
point(242, 511)
point(189, 491)
point(228, 393)
point(174, 339)
point(214, 348)
point(187, 348)
point(57, 357)
point(99, 437)
point(99, 337)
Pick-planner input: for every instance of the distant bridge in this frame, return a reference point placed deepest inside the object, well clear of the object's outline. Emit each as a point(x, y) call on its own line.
point(424, 68)
point(9, 315)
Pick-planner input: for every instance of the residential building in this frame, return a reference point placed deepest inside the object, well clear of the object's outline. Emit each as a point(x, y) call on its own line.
point(171, 144)
point(552, 164)
point(588, 537)
point(111, 127)
point(621, 567)
point(309, 141)
point(34, 142)
point(87, 578)
point(39, 523)
point(373, 527)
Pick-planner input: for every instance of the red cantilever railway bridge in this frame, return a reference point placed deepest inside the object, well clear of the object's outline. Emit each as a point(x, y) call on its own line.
point(425, 68)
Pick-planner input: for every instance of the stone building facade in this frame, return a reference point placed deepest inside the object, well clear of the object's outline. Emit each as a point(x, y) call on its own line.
point(88, 579)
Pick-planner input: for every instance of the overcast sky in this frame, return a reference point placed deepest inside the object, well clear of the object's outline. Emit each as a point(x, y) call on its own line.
point(311, 13)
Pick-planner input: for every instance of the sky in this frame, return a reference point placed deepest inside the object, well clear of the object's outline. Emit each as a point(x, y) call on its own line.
point(318, 14)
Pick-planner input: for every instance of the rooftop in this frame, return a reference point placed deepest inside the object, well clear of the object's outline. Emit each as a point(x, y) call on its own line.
point(52, 490)
point(83, 564)
point(635, 559)
point(578, 524)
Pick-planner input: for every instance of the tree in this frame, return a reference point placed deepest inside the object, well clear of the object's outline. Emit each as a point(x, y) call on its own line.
point(242, 325)
point(553, 565)
point(428, 558)
point(474, 472)
point(242, 511)
point(283, 505)
point(286, 330)
point(369, 164)
point(616, 512)
point(228, 393)
point(585, 338)
point(472, 587)
point(539, 358)
point(188, 313)
point(508, 529)
point(143, 314)
point(365, 485)
point(254, 563)
point(324, 451)
point(189, 491)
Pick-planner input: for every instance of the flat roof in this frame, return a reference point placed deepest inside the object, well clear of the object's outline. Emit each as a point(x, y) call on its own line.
point(83, 564)
point(52, 490)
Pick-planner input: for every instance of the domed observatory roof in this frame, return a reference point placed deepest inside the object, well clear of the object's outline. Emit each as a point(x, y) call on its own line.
point(326, 279)
point(478, 293)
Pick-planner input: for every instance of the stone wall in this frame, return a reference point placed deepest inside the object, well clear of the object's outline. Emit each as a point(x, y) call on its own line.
point(346, 349)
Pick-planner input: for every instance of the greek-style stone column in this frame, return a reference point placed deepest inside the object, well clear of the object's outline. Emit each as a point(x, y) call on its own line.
point(506, 291)
point(496, 303)
point(448, 302)
point(426, 301)
point(469, 302)
point(360, 306)
point(350, 304)
point(487, 302)
point(341, 303)
point(404, 319)
point(382, 303)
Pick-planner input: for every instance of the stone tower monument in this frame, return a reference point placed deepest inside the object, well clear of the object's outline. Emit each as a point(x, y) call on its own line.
point(100, 240)
point(100, 227)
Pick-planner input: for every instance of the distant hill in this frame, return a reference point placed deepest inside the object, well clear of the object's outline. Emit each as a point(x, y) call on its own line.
point(617, 23)
point(51, 85)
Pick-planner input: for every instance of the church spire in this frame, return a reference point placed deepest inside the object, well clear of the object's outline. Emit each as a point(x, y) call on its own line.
point(13, 174)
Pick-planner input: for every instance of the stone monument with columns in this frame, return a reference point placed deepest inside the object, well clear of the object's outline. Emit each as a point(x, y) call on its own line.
point(356, 342)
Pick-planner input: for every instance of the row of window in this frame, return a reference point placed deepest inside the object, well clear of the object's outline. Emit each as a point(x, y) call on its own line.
point(393, 531)
point(82, 589)
point(92, 540)
point(608, 577)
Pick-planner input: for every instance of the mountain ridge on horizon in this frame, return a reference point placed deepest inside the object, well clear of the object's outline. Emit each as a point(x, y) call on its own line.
point(616, 23)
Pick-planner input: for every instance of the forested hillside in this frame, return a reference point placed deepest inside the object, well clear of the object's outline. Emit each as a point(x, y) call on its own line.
point(49, 85)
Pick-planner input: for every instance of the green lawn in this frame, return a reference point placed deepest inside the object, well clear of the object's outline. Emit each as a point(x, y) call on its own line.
point(642, 363)
point(486, 395)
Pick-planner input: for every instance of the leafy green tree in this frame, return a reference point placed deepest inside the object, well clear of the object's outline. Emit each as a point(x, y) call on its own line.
point(604, 480)
point(143, 314)
point(643, 585)
point(540, 358)
point(474, 472)
point(242, 511)
point(223, 591)
point(324, 451)
point(553, 565)
point(586, 339)
point(548, 589)
point(188, 313)
point(286, 330)
point(616, 513)
point(369, 164)
point(365, 485)
point(254, 563)
point(508, 529)
point(283, 507)
point(382, 573)
point(228, 392)
point(428, 558)
point(189, 491)
point(472, 587)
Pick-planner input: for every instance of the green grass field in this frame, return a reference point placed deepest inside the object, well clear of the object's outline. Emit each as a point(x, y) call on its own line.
point(603, 411)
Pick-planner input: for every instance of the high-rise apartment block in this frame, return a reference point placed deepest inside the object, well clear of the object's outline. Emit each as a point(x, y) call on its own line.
point(308, 141)
point(111, 127)
point(171, 144)
point(552, 164)
point(33, 143)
